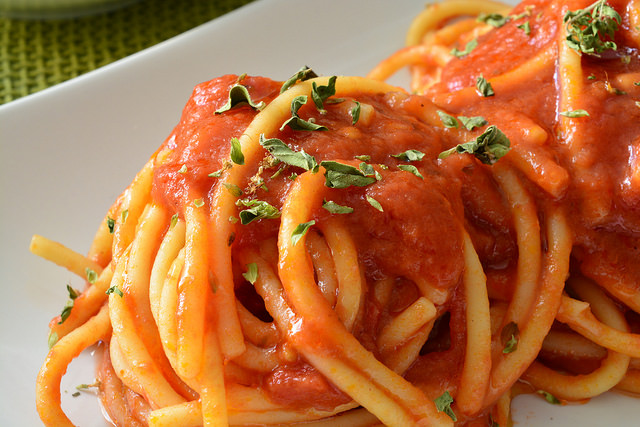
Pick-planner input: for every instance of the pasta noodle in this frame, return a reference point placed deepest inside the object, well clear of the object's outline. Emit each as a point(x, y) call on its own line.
point(337, 251)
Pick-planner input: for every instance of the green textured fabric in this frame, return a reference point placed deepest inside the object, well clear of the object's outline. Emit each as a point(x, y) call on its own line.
point(36, 54)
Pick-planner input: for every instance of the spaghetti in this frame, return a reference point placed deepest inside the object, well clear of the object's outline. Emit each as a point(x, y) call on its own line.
point(317, 251)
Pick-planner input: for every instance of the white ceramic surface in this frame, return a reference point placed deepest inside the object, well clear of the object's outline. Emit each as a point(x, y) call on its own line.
point(67, 152)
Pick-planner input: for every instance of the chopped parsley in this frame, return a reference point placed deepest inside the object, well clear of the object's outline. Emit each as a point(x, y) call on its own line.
point(233, 189)
point(92, 276)
point(52, 339)
point(494, 19)
point(488, 147)
point(549, 397)
point(355, 113)
point(467, 49)
point(300, 231)
point(114, 290)
point(295, 122)
point(448, 120)
point(236, 152)
point(412, 169)
point(591, 30)
point(183, 169)
point(252, 273)
point(258, 209)
point(335, 208)
point(174, 220)
point(238, 96)
point(340, 175)
point(305, 73)
point(111, 224)
point(574, 113)
point(376, 204)
point(483, 87)
point(124, 215)
point(409, 156)
point(510, 335)
point(443, 404)
point(526, 27)
point(319, 94)
point(198, 203)
point(66, 311)
point(472, 122)
point(283, 153)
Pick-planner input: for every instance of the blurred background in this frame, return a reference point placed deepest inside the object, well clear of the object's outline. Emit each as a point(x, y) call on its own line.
point(45, 42)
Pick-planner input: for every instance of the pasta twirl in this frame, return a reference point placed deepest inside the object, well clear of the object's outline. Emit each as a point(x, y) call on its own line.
point(337, 251)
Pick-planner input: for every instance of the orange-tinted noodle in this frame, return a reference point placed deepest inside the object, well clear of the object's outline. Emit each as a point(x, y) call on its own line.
point(261, 271)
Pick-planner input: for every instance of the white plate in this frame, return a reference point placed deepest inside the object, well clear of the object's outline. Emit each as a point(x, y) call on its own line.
point(68, 151)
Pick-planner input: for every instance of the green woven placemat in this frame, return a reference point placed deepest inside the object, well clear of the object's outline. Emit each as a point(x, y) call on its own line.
point(37, 54)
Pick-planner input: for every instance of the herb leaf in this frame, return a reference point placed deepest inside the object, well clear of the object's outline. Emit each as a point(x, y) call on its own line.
point(114, 290)
point(111, 224)
point(295, 122)
point(587, 28)
point(92, 276)
point(252, 273)
point(510, 334)
point(66, 311)
point(300, 231)
point(447, 120)
point(488, 147)
point(574, 113)
point(52, 339)
point(409, 156)
point(526, 27)
point(258, 209)
point(412, 169)
point(443, 404)
point(335, 208)
point(319, 94)
point(483, 87)
point(340, 175)
point(355, 113)
point(549, 397)
point(238, 96)
point(472, 122)
point(376, 204)
point(305, 73)
point(494, 19)
point(236, 152)
point(467, 49)
point(282, 152)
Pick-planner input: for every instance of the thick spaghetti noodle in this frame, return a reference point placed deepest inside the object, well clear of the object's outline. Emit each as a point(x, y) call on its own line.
point(316, 252)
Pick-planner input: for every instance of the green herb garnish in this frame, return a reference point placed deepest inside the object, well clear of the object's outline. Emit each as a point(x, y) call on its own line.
point(591, 30)
point(448, 120)
point(340, 175)
point(258, 209)
point(111, 224)
point(355, 113)
point(411, 169)
point(443, 404)
point(305, 73)
point(238, 96)
point(282, 152)
point(295, 122)
point(549, 397)
point(376, 204)
point(236, 152)
point(483, 87)
point(467, 49)
point(526, 27)
point(92, 276)
point(472, 122)
point(114, 290)
point(335, 208)
point(494, 19)
point(66, 311)
point(510, 335)
point(319, 94)
point(252, 273)
point(489, 147)
point(409, 156)
point(574, 113)
point(300, 231)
